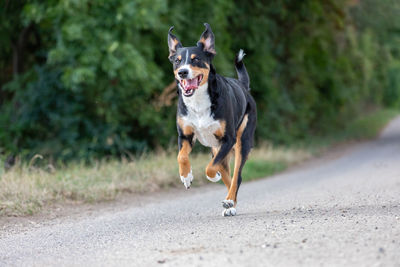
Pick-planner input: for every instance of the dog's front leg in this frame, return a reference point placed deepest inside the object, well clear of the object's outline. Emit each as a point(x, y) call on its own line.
point(213, 167)
point(185, 144)
point(185, 170)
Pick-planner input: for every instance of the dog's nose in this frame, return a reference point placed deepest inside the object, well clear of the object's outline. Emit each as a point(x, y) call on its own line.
point(183, 73)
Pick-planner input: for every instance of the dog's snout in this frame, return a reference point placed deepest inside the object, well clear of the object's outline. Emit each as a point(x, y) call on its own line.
point(183, 73)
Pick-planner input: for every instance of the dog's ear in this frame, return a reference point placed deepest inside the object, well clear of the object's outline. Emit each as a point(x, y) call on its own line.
point(173, 43)
point(207, 40)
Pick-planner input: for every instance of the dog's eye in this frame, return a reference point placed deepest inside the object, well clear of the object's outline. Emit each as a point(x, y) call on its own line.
point(196, 60)
point(177, 60)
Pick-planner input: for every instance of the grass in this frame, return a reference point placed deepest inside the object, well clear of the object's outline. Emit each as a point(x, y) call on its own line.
point(268, 160)
point(369, 126)
point(362, 128)
point(26, 189)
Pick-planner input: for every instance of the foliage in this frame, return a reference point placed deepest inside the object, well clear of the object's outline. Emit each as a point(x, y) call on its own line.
point(382, 21)
point(83, 79)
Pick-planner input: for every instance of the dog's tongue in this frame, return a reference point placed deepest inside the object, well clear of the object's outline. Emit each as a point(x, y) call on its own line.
point(191, 84)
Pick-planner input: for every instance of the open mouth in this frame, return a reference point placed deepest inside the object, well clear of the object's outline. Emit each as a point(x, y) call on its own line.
point(190, 85)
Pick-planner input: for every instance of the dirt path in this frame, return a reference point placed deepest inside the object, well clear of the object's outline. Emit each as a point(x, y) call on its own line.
point(343, 209)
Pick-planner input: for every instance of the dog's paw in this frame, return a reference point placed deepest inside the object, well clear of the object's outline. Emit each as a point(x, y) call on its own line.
point(228, 203)
point(216, 178)
point(187, 181)
point(229, 212)
point(229, 209)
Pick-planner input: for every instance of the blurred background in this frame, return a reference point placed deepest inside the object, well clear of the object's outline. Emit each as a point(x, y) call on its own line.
point(83, 79)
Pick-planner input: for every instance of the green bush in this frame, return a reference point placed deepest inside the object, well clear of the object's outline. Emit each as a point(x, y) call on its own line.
point(92, 73)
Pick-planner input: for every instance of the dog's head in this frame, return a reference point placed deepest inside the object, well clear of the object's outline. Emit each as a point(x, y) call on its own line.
point(192, 64)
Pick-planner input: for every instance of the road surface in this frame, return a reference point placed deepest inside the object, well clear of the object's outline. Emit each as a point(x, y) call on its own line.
point(341, 210)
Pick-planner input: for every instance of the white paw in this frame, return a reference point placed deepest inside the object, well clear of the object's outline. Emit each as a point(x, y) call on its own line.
point(229, 212)
point(216, 178)
point(228, 203)
point(187, 181)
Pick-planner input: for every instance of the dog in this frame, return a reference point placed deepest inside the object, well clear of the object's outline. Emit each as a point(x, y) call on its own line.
point(217, 111)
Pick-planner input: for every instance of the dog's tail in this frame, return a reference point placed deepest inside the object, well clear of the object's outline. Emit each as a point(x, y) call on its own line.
point(243, 76)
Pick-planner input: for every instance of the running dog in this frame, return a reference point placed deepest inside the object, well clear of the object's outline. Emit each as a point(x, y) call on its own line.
point(217, 111)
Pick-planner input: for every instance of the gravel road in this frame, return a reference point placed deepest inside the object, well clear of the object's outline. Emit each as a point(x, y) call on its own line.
point(339, 210)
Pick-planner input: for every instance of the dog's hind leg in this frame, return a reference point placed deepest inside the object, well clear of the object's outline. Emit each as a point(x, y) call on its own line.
point(225, 171)
point(244, 143)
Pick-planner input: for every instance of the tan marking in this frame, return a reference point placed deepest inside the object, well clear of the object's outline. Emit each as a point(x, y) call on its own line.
point(225, 172)
point(180, 57)
point(226, 177)
point(203, 41)
point(187, 130)
point(192, 56)
point(212, 170)
point(221, 131)
point(172, 49)
point(203, 71)
point(183, 158)
point(238, 160)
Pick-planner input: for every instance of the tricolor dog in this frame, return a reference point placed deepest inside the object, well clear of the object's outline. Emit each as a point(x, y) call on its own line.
point(217, 111)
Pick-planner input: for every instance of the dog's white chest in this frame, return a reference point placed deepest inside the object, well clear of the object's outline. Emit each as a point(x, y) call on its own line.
point(199, 117)
point(204, 128)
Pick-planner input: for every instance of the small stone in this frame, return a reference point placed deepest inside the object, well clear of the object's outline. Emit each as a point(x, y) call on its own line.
point(161, 261)
point(304, 240)
point(381, 250)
